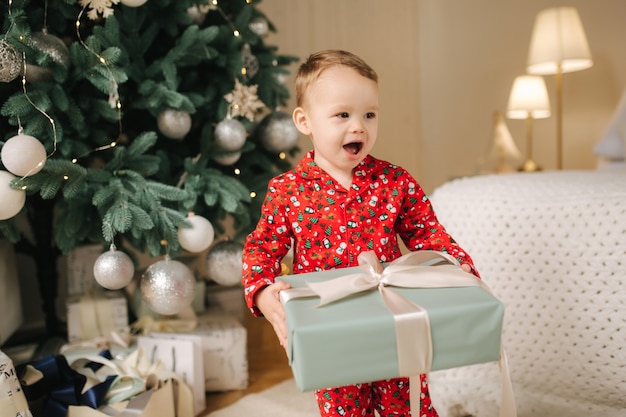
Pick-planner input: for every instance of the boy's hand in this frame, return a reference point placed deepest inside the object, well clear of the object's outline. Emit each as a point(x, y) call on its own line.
point(268, 302)
point(466, 268)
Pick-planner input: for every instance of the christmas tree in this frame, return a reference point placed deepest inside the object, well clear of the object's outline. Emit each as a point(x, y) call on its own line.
point(121, 118)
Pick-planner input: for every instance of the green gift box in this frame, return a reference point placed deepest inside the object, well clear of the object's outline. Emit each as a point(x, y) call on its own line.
point(353, 340)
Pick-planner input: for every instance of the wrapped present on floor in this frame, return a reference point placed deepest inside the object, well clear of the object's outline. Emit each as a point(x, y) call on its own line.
point(99, 386)
point(183, 356)
point(96, 314)
point(12, 400)
point(223, 342)
point(382, 323)
point(79, 269)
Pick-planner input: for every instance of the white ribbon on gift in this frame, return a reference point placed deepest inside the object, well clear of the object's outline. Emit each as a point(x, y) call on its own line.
point(422, 269)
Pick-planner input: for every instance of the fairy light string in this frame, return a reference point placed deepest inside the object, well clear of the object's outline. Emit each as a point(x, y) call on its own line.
point(114, 98)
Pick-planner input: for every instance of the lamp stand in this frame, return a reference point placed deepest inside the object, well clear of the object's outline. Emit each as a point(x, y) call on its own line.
point(529, 165)
point(559, 117)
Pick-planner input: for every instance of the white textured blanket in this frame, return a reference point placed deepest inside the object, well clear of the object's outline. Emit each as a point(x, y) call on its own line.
point(552, 246)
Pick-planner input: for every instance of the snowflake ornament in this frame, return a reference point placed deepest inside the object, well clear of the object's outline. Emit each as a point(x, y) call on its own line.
point(98, 7)
point(244, 101)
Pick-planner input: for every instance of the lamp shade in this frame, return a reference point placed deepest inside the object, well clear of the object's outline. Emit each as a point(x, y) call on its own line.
point(558, 39)
point(529, 95)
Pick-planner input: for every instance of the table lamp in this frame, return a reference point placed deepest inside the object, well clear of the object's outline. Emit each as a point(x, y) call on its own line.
point(558, 45)
point(529, 100)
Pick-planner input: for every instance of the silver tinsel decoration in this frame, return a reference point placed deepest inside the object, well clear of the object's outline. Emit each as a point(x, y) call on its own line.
point(52, 46)
point(224, 262)
point(175, 124)
point(277, 132)
point(168, 286)
point(10, 62)
point(230, 135)
point(113, 269)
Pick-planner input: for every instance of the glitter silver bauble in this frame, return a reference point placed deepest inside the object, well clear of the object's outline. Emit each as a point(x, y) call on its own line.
point(10, 62)
point(168, 286)
point(277, 132)
point(224, 262)
point(113, 269)
point(52, 46)
point(259, 26)
point(175, 124)
point(230, 135)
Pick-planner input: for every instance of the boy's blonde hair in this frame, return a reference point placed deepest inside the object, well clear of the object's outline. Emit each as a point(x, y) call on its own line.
point(317, 62)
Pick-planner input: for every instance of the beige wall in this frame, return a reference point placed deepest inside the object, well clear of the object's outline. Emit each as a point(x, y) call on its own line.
point(446, 65)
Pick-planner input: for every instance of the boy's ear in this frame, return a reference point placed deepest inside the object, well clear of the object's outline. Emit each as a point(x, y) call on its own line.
point(301, 121)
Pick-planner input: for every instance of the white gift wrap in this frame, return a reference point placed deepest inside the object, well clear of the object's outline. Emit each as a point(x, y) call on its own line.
point(95, 315)
point(223, 342)
point(181, 356)
point(80, 262)
point(12, 400)
point(10, 301)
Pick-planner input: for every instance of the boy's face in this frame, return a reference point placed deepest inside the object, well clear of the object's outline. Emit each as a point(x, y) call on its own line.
point(340, 115)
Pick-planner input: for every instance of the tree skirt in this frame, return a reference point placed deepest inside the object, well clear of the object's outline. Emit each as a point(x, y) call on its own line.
point(282, 400)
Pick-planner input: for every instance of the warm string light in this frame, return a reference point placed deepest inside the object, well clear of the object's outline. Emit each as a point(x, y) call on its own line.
point(236, 33)
point(114, 100)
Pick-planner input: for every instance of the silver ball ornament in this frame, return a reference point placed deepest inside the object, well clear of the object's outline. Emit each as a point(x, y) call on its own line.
point(224, 262)
point(12, 200)
point(174, 124)
point(23, 155)
point(10, 62)
point(277, 132)
point(230, 135)
point(227, 159)
point(168, 286)
point(133, 3)
point(113, 269)
point(52, 46)
point(198, 237)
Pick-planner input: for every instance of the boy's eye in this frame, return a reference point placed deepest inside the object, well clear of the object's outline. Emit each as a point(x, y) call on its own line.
point(343, 115)
point(370, 115)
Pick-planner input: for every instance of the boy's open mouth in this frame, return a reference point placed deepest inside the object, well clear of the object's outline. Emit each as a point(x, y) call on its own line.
point(353, 147)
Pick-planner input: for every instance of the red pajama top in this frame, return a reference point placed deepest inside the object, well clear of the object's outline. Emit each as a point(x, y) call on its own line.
point(330, 225)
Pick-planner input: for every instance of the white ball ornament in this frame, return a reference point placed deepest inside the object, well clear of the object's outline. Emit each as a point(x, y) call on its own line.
point(23, 155)
point(133, 3)
point(12, 200)
point(277, 132)
point(230, 135)
point(198, 237)
point(168, 286)
point(175, 124)
point(113, 269)
point(224, 262)
point(259, 26)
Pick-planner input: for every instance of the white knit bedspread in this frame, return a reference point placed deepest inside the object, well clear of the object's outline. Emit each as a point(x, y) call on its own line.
point(552, 247)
